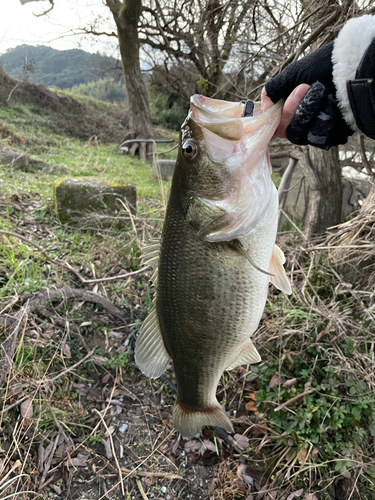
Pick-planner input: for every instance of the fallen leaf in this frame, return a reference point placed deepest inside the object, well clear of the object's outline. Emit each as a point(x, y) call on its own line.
point(251, 406)
point(208, 445)
point(26, 408)
point(192, 446)
point(275, 381)
point(106, 377)
point(167, 421)
point(252, 396)
point(214, 484)
point(308, 383)
point(99, 360)
point(302, 456)
point(107, 446)
point(66, 350)
point(245, 478)
point(241, 441)
point(116, 335)
point(295, 494)
point(310, 496)
point(56, 488)
point(110, 430)
point(289, 361)
point(290, 383)
point(79, 461)
point(81, 389)
point(199, 447)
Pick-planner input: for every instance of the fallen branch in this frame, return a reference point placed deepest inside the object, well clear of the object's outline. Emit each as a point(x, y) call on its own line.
point(141, 490)
point(141, 473)
point(294, 399)
point(41, 299)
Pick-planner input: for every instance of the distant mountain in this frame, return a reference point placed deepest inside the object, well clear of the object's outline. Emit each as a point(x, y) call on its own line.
point(59, 68)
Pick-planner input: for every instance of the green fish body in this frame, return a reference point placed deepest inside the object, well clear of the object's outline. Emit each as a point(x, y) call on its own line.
point(216, 258)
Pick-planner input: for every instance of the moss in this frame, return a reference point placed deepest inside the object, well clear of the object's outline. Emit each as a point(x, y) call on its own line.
point(77, 196)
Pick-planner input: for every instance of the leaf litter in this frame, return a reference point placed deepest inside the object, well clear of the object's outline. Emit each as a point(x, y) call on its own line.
point(65, 447)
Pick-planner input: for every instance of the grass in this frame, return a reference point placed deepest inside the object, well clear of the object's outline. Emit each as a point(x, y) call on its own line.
point(308, 410)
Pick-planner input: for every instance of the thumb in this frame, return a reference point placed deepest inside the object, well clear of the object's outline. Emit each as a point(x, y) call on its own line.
point(290, 108)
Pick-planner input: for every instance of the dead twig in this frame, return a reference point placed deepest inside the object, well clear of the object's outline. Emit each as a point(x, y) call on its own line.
point(141, 490)
point(294, 399)
point(113, 451)
point(71, 368)
point(48, 463)
point(141, 473)
point(8, 346)
point(65, 265)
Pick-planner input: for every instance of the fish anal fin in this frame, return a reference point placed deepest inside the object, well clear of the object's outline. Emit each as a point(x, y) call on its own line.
point(151, 356)
point(189, 421)
point(279, 278)
point(248, 356)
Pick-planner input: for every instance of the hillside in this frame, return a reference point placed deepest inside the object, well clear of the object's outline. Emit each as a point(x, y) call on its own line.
point(59, 68)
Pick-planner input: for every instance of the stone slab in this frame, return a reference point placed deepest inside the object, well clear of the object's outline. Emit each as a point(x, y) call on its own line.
point(76, 197)
point(165, 167)
point(14, 159)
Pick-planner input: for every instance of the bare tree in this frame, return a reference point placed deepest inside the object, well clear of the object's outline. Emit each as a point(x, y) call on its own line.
point(200, 32)
point(126, 14)
point(282, 34)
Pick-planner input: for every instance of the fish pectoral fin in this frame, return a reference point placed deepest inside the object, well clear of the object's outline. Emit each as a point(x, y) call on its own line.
point(240, 248)
point(150, 255)
point(151, 356)
point(248, 356)
point(279, 278)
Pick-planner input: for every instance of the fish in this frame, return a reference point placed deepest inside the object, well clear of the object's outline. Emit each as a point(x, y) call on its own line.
point(216, 257)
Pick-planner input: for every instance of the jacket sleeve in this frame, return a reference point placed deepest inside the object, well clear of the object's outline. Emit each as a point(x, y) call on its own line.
point(353, 59)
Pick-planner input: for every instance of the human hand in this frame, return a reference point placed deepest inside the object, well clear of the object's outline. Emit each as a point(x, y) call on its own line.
point(289, 108)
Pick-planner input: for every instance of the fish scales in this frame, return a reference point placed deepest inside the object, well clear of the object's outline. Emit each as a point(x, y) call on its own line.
point(215, 259)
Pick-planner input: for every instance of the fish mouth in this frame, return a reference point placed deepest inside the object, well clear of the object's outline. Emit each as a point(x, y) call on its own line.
point(225, 119)
point(239, 145)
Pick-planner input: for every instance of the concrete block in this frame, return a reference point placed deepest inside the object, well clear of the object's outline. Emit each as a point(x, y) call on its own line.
point(14, 159)
point(166, 168)
point(79, 196)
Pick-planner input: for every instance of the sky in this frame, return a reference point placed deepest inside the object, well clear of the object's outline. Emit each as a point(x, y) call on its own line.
point(19, 25)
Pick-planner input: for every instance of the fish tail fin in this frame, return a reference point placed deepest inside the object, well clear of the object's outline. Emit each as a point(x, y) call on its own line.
point(189, 421)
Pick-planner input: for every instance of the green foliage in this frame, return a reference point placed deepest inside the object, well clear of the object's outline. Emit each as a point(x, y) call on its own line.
point(166, 115)
point(118, 360)
point(335, 416)
point(105, 89)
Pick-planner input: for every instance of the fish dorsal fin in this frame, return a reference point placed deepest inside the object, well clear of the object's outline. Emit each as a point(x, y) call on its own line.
point(150, 255)
point(279, 278)
point(151, 356)
point(248, 356)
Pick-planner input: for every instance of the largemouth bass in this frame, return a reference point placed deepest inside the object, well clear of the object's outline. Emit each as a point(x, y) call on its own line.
point(216, 257)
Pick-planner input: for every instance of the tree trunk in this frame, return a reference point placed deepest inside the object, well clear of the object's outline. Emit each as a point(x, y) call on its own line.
point(126, 15)
point(323, 173)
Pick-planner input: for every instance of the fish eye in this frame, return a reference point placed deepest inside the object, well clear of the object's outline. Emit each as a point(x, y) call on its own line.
point(190, 149)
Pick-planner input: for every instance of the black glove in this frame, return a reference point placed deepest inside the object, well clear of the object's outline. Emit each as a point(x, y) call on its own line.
point(318, 120)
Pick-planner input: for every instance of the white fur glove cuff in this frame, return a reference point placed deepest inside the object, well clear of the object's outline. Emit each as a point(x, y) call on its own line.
point(353, 60)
